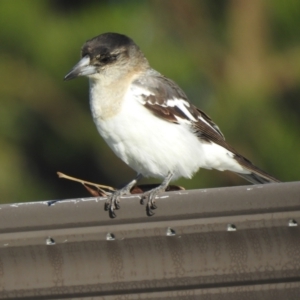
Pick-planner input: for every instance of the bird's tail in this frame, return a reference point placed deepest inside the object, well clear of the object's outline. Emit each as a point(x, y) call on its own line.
point(256, 175)
point(257, 178)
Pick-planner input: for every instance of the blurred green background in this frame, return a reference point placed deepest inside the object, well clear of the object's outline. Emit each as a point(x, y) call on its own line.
point(237, 60)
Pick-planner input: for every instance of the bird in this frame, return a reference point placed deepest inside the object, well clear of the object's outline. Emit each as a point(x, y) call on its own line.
point(148, 121)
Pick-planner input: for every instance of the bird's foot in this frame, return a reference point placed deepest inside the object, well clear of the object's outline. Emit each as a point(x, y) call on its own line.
point(113, 201)
point(151, 195)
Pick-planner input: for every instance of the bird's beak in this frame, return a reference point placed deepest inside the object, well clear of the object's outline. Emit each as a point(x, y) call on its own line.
point(82, 68)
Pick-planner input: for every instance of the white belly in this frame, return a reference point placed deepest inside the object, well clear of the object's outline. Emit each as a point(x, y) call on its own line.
point(150, 146)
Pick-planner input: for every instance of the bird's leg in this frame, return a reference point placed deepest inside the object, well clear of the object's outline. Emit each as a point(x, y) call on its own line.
point(153, 193)
point(113, 200)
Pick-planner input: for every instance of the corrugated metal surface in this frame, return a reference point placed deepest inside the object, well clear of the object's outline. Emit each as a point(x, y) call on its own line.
point(227, 243)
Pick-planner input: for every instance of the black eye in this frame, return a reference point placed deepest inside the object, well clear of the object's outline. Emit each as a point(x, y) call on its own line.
point(105, 59)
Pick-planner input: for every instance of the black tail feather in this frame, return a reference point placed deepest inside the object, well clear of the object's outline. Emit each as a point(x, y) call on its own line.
point(258, 177)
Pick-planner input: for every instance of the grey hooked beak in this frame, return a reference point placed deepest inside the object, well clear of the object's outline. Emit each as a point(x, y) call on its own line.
point(82, 68)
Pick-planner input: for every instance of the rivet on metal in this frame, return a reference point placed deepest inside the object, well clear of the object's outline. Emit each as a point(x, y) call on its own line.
point(170, 232)
point(110, 237)
point(293, 223)
point(50, 241)
point(231, 227)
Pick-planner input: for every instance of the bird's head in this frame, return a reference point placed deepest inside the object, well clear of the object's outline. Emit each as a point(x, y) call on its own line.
point(110, 55)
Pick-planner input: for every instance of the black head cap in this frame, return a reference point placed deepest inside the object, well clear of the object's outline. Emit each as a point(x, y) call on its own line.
point(107, 43)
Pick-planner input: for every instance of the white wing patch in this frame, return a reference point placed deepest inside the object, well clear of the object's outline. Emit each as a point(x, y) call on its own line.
point(182, 105)
point(138, 91)
point(204, 121)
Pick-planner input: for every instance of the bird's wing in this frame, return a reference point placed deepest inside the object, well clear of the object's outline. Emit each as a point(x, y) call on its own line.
point(165, 99)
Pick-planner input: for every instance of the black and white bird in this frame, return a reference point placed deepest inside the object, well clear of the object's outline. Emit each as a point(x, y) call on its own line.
point(148, 121)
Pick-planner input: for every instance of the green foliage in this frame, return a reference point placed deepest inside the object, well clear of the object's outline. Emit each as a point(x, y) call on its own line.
point(239, 61)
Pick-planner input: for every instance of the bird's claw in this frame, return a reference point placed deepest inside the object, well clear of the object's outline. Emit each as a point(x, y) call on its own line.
point(112, 203)
point(153, 205)
point(106, 206)
point(112, 214)
point(151, 201)
point(150, 213)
